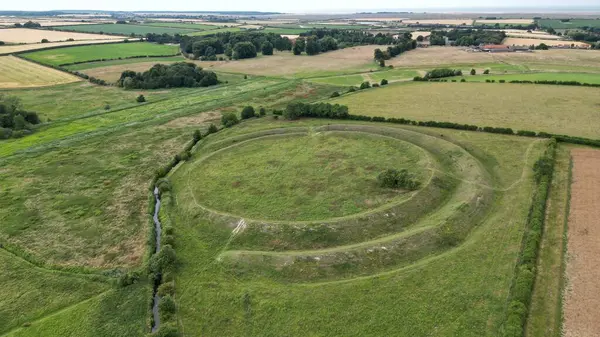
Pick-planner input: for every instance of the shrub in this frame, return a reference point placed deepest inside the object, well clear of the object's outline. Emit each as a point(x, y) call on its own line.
point(229, 119)
point(473, 72)
point(463, 80)
point(45, 41)
point(365, 85)
point(352, 89)
point(262, 111)
point(335, 94)
point(163, 260)
point(384, 82)
point(128, 279)
point(140, 99)
point(180, 74)
point(107, 107)
point(248, 112)
point(486, 72)
point(212, 129)
point(267, 48)
point(243, 50)
point(375, 85)
point(392, 178)
point(166, 306)
point(165, 289)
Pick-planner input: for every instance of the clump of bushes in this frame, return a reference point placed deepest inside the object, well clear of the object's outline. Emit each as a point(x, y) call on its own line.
point(392, 178)
point(180, 74)
point(318, 110)
point(365, 85)
point(335, 94)
point(14, 121)
point(229, 119)
point(140, 99)
point(384, 82)
point(248, 112)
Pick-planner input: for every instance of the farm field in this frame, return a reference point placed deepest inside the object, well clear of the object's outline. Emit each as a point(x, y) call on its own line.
point(533, 107)
point(63, 56)
point(504, 22)
point(514, 41)
point(578, 77)
point(125, 29)
point(285, 31)
point(25, 35)
point(571, 24)
point(247, 264)
point(372, 77)
point(543, 59)
point(449, 22)
point(17, 48)
point(133, 61)
point(581, 297)
point(193, 26)
point(18, 73)
point(532, 35)
point(351, 60)
point(214, 31)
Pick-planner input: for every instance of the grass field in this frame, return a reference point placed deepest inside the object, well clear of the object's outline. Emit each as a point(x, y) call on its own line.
point(504, 22)
point(448, 291)
point(18, 73)
point(214, 31)
point(450, 22)
point(579, 77)
point(571, 24)
point(69, 55)
point(126, 29)
point(285, 31)
point(372, 77)
point(24, 35)
point(10, 49)
point(538, 108)
point(328, 161)
point(110, 63)
point(193, 26)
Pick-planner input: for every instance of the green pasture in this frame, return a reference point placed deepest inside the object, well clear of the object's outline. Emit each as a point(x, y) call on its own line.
point(571, 24)
point(56, 57)
point(107, 63)
point(125, 29)
point(577, 77)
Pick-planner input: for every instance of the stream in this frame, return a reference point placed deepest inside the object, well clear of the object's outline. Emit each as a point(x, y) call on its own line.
point(158, 231)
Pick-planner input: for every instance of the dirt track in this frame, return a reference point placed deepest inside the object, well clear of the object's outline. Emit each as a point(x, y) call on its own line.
point(582, 296)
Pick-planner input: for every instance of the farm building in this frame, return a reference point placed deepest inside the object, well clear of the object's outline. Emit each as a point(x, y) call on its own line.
point(496, 48)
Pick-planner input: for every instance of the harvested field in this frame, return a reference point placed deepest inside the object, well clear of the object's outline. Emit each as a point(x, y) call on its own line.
point(18, 73)
point(512, 41)
point(45, 23)
point(531, 107)
point(505, 22)
point(451, 22)
point(582, 296)
point(25, 35)
point(286, 64)
point(436, 56)
point(532, 35)
point(417, 34)
point(34, 46)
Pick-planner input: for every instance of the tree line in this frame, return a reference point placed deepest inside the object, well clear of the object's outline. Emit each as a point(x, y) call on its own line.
point(466, 37)
point(14, 121)
point(180, 74)
point(238, 45)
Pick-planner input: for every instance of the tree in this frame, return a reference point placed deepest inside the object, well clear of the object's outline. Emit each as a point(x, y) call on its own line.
point(212, 129)
point(141, 99)
point(229, 119)
point(45, 41)
point(267, 48)
point(473, 72)
point(335, 94)
point(542, 46)
point(365, 85)
point(244, 50)
point(313, 46)
point(262, 111)
point(248, 112)
point(299, 46)
point(379, 55)
point(382, 63)
point(486, 72)
point(384, 82)
point(420, 38)
point(328, 43)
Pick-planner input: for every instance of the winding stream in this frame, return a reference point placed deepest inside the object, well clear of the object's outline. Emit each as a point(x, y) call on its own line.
point(158, 230)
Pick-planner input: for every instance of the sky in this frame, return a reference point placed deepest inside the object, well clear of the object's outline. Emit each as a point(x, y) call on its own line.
point(306, 6)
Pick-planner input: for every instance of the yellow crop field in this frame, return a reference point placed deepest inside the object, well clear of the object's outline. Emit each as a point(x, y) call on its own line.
point(25, 35)
point(528, 42)
point(452, 22)
point(18, 73)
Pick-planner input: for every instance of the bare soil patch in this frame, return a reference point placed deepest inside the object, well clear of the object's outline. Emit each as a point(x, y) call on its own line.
point(582, 298)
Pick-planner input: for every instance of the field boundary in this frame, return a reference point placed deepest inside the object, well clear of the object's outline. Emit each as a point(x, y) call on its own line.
point(64, 46)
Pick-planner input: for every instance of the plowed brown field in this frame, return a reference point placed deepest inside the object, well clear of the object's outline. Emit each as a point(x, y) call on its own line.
point(582, 298)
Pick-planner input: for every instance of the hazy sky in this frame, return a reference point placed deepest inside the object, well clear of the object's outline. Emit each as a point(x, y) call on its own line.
point(281, 5)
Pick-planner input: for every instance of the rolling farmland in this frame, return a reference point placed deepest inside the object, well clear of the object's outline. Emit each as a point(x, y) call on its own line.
point(18, 73)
